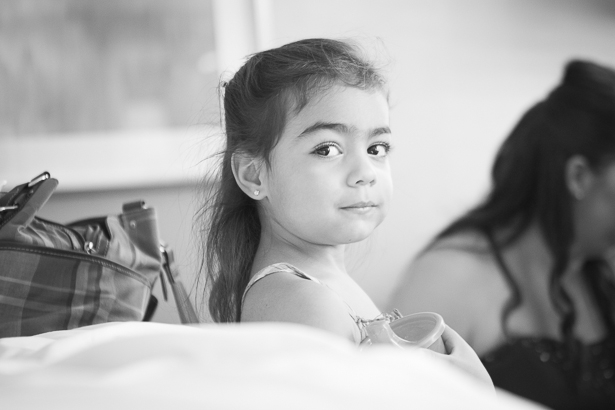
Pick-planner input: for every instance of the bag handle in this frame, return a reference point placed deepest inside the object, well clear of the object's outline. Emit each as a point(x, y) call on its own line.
point(186, 311)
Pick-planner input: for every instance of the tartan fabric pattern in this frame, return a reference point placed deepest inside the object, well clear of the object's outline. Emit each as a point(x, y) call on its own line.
point(50, 280)
point(49, 290)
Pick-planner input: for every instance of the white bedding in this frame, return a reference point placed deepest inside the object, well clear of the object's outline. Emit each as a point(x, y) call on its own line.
point(136, 365)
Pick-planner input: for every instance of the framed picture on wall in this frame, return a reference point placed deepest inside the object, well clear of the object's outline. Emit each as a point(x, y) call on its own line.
point(116, 93)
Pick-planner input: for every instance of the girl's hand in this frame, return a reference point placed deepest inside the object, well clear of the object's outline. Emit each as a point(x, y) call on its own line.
point(461, 355)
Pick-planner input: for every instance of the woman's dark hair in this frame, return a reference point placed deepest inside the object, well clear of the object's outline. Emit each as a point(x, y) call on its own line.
point(269, 87)
point(528, 175)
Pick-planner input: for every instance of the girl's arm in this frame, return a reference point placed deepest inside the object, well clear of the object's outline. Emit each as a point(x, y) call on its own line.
point(288, 298)
point(462, 356)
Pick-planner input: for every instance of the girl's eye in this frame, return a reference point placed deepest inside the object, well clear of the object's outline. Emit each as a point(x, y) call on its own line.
point(327, 150)
point(380, 150)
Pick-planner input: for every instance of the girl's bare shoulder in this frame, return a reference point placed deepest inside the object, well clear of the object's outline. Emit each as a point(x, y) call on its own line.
point(284, 297)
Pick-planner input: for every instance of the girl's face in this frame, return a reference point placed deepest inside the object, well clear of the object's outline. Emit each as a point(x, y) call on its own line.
point(329, 182)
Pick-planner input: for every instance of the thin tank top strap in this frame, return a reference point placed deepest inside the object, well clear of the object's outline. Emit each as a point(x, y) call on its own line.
point(288, 268)
point(276, 268)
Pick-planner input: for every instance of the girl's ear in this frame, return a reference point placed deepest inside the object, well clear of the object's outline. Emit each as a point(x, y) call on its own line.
point(247, 173)
point(579, 176)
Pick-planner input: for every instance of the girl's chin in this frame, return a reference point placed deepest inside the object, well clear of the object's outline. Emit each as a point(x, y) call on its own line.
point(342, 234)
point(357, 237)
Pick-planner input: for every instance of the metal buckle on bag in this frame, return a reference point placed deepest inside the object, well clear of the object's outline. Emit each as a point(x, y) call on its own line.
point(45, 175)
point(164, 271)
point(19, 197)
point(168, 262)
point(185, 309)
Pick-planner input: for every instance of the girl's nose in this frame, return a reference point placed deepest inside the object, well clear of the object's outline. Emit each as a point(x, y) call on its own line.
point(362, 172)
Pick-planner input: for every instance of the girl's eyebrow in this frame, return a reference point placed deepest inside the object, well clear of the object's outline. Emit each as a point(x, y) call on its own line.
point(379, 131)
point(337, 127)
point(341, 129)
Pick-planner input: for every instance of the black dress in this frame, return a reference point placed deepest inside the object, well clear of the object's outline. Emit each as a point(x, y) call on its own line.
point(557, 374)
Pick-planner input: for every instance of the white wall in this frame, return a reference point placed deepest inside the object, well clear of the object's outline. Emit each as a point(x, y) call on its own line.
point(462, 72)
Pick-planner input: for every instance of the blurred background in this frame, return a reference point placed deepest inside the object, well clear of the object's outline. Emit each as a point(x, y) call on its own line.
point(118, 100)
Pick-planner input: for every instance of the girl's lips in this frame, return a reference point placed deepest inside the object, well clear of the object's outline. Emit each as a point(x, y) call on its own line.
point(360, 207)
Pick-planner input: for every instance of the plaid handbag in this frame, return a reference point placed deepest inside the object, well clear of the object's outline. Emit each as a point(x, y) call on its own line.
point(55, 276)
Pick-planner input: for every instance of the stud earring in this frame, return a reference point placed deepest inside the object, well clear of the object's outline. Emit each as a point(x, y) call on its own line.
point(256, 192)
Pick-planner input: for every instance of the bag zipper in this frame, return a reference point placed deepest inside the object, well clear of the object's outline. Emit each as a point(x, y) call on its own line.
point(80, 256)
point(100, 221)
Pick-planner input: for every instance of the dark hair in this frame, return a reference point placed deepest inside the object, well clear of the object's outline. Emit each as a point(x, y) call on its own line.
point(528, 175)
point(270, 86)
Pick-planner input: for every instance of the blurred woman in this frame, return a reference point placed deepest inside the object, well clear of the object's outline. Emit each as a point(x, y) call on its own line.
point(524, 276)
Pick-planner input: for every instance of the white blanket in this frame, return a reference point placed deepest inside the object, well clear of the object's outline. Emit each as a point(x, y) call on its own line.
point(131, 366)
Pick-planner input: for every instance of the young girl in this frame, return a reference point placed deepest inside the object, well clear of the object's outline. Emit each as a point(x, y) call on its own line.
point(305, 172)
